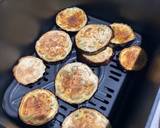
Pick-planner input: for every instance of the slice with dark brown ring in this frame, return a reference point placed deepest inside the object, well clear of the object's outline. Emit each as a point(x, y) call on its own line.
point(122, 33)
point(93, 37)
point(101, 57)
point(28, 70)
point(54, 46)
point(86, 118)
point(133, 58)
point(75, 83)
point(38, 107)
point(71, 19)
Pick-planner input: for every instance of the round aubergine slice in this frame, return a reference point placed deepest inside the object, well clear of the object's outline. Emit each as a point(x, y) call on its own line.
point(93, 38)
point(71, 19)
point(28, 70)
point(38, 107)
point(54, 46)
point(75, 83)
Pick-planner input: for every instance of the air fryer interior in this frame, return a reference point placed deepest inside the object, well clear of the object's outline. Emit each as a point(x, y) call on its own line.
point(23, 21)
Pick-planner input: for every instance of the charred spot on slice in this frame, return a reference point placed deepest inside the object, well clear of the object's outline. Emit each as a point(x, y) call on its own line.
point(75, 20)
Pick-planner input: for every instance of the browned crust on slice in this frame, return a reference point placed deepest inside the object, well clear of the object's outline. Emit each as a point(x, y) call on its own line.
point(54, 46)
point(93, 37)
point(133, 58)
point(85, 118)
point(75, 83)
point(71, 19)
point(38, 107)
point(123, 33)
point(28, 70)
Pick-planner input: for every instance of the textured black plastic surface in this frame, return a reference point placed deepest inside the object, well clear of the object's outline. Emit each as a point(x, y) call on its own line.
point(111, 78)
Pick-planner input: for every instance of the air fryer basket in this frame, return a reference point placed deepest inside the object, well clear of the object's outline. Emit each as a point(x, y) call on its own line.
point(111, 79)
point(129, 100)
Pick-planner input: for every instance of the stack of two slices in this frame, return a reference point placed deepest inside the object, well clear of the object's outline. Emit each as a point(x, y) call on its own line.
point(92, 42)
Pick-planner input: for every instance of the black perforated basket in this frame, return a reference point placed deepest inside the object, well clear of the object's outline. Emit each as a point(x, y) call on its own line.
point(111, 79)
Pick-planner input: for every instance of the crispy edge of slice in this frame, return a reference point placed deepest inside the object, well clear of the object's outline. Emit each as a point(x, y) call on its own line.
point(71, 29)
point(52, 115)
point(68, 39)
point(80, 110)
point(85, 59)
point(129, 28)
point(136, 67)
point(15, 66)
point(83, 99)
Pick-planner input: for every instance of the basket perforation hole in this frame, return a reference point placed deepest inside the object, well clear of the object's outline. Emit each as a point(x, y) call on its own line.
point(114, 60)
point(45, 79)
point(114, 78)
point(51, 124)
point(114, 66)
point(109, 96)
point(30, 86)
point(64, 108)
point(46, 73)
point(62, 114)
point(47, 66)
point(98, 98)
point(106, 102)
point(92, 103)
point(103, 108)
point(117, 67)
point(74, 60)
point(110, 90)
point(38, 83)
point(74, 105)
point(93, 69)
point(115, 73)
point(117, 56)
point(60, 117)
